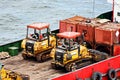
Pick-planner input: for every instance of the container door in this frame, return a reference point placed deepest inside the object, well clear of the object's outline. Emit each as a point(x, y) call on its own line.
point(71, 27)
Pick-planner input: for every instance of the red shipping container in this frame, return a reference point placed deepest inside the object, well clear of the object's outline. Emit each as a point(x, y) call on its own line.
point(66, 25)
point(70, 24)
point(88, 27)
point(62, 26)
point(116, 49)
point(107, 34)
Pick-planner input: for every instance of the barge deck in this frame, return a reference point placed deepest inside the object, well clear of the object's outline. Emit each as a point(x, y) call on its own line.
point(36, 71)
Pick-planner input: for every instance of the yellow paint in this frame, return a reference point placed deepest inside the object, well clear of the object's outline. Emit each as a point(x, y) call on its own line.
point(52, 53)
point(23, 43)
point(5, 75)
point(40, 46)
point(74, 54)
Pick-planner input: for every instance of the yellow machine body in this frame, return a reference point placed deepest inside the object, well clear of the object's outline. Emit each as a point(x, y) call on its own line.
point(39, 46)
point(69, 54)
point(9, 75)
point(73, 54)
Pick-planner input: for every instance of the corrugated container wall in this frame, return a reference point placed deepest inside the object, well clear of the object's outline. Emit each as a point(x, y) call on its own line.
point(88, 28)
point(70, 24)
point(107, 34)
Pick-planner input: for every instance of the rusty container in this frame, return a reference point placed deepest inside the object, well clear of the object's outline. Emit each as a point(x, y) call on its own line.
point(67, 25)
point(62, 26)
point(107, 34)
point(88, 31)
point(70, 24)
point(88, 28)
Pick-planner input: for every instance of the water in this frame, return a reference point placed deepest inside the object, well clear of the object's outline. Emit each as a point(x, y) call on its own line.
point(16, 14)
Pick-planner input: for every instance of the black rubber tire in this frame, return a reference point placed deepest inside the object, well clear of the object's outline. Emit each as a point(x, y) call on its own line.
point(112, 75)
point(96, 76)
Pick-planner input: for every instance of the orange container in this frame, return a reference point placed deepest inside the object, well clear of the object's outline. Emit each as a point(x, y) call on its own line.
point(116, 50)
point(107, 34)
point(62, 26)
point(88, 28)
point(66, 25)
point(70, 24)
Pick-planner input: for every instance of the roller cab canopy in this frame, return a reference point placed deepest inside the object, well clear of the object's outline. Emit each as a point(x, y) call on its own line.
point(38, 25)
point(68, 35)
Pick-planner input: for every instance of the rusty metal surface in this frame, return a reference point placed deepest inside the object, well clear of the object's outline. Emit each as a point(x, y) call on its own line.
point(107, 34)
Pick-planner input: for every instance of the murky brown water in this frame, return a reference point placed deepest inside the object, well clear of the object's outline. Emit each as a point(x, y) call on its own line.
point(16, 14)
